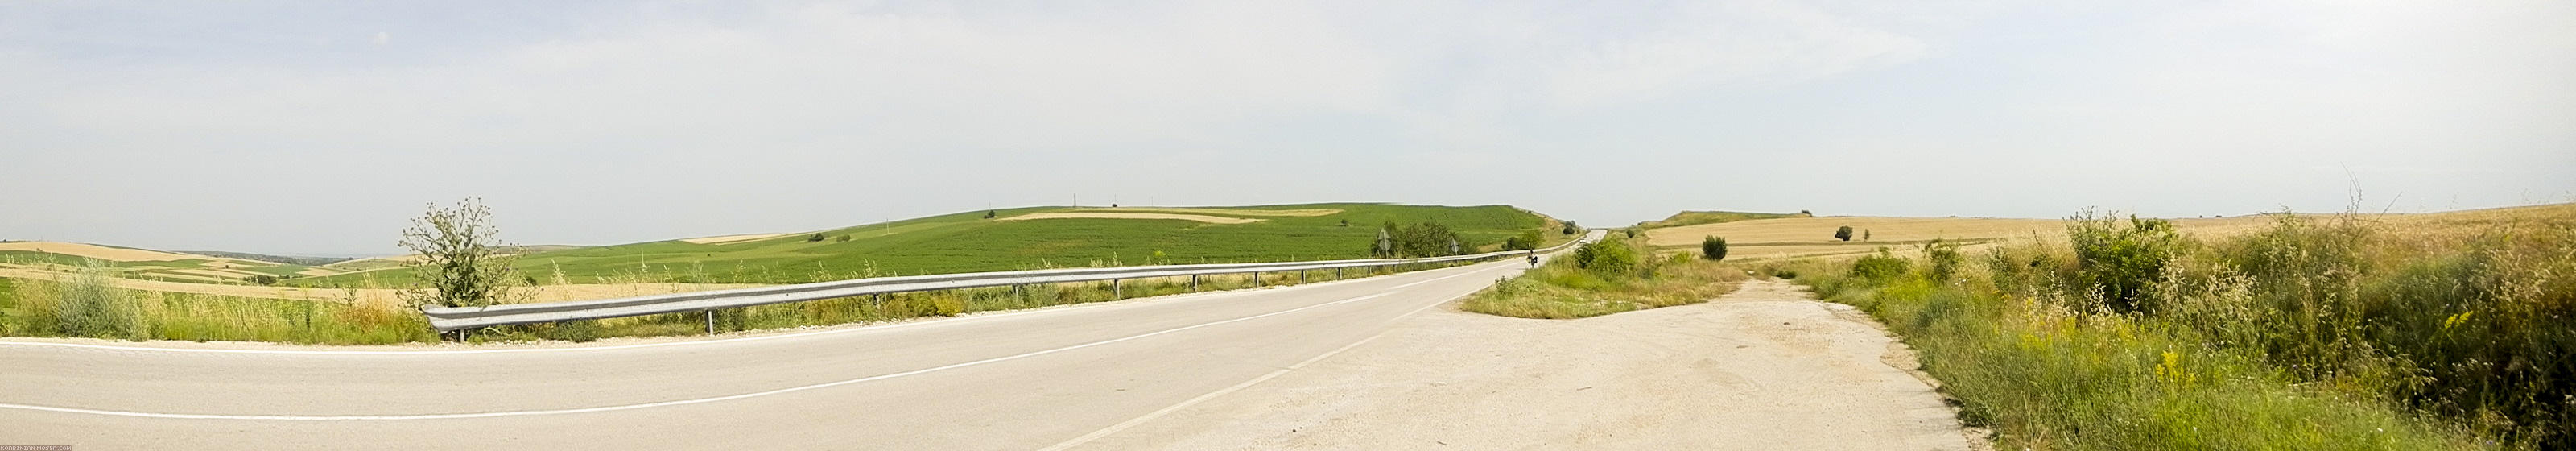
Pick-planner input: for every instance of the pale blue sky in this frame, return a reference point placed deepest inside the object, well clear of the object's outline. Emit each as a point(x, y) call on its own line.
point(319, 127)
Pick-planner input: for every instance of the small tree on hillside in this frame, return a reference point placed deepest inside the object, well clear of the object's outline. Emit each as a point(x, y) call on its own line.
point(988, 214)
point(458, 257)
point(1712, 247)
point(1570, 228)
point(1843, 233)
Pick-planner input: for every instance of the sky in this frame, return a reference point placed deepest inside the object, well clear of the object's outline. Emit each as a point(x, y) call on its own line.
point(320, 128)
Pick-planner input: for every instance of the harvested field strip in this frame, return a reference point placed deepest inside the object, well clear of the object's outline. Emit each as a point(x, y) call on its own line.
point(95, 251)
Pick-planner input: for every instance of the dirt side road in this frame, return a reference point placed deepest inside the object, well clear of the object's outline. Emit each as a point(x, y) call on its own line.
point(1764, 368)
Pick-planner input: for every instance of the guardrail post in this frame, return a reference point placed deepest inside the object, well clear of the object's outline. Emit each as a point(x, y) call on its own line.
point(1194, 283)
point(1301, 277)
point(711, 321)
point(1256, 279)
point(1114, 291)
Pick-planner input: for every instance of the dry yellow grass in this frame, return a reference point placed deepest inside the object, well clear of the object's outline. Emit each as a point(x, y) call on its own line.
point(1305, 212)
point(375, 296)
point(1803, 237)
point(217, 273)
point(1199, 218)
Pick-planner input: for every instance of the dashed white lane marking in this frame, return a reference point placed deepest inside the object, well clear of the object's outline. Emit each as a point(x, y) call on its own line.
point(193, 416)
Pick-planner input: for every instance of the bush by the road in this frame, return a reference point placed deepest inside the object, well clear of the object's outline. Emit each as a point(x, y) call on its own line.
point(1712, 247)
point(2314, 334)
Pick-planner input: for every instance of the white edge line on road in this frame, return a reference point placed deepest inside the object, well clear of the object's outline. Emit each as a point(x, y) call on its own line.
point(958, 320)
point(443, 416)
point(1114, 429)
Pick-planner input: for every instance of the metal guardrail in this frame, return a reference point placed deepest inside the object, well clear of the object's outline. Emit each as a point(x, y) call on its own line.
point(459, 318)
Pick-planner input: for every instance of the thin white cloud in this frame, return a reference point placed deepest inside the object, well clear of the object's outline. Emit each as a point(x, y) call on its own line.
point(668, 120)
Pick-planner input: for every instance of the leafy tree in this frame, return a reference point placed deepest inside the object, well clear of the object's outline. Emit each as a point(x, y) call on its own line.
point(1712, 247)
point(1864, 234)
point(1570, 228)
point(816, 238)
point(988, 214)
point(1843, 233)
point(1429, 239)
point(459, 258)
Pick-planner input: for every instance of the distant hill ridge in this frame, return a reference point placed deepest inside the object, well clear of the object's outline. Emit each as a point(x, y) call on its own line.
point(1010, 239)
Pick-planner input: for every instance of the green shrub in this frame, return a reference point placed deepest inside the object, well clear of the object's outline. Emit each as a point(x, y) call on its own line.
point(1942, 260)
point(1528, 240)
point(1712, 247)
point(1879, 267)
point(1843, 233)
point(92, 306)
point(1608, 258)
point(2120, 259)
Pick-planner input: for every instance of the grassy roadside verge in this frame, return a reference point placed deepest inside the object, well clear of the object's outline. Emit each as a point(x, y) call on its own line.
point(2327, 334)
point(1610, 276)
point(89, 305)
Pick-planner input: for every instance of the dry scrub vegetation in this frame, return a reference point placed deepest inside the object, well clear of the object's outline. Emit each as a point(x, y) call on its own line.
point(2443, 331)
point(1609, 276)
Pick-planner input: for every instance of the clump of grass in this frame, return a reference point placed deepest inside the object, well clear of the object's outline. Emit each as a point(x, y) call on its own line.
point(2315, 334)
point(1605, 280)
point(87, 304)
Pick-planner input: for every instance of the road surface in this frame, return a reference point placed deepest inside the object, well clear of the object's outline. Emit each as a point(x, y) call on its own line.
point(1120, 375)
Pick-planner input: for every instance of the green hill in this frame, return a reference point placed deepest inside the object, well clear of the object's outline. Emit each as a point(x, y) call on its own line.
point(1012, 240)
point(1691, 218)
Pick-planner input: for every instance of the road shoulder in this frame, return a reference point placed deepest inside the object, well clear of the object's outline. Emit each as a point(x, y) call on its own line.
point(1764, 368)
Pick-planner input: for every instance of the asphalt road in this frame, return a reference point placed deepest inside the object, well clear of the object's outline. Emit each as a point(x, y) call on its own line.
point(1016, 380)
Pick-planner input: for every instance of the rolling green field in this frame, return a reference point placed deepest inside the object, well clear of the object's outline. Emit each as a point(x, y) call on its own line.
point(967, 242)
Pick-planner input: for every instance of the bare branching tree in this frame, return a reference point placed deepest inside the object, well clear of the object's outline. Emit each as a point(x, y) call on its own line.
point(459, 258)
